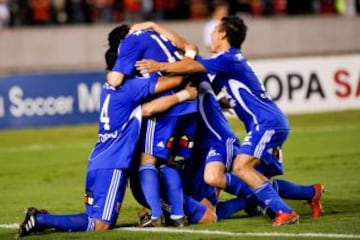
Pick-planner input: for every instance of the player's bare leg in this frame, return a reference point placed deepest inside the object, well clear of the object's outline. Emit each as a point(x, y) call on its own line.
point(214, 174)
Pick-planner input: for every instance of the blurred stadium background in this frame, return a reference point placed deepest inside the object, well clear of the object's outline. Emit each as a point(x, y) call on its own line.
point(52, 65)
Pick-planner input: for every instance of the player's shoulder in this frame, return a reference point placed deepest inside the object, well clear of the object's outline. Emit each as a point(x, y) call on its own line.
point(140, 34)
point(234, 54)
point(231, 54)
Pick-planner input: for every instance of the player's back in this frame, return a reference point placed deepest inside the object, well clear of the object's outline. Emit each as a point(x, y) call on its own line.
point(143, 45)
point(159, 48)
point(250, 100)
point(150, 45)
point(119, 123)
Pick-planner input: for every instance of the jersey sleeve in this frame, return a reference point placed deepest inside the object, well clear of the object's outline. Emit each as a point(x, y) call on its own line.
point(130, 50)
point(217, 65)
point(142, 88)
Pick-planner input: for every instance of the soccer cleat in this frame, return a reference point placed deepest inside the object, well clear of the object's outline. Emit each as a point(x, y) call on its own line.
point(315, 202)
point(181, 222)
point(282, 218)
point(144, 218)
point(30, 225)
point(158, 222)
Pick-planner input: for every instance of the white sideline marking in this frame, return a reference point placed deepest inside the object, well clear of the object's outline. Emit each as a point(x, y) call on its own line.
point(210, 232)
point(12, 226)
point(248, 234)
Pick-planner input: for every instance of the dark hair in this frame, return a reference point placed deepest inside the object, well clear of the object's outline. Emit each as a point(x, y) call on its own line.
point(114, 38)
point(235, 29)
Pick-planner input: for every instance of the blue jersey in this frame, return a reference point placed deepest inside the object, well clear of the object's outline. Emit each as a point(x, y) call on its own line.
point(247, 94)
point(213, 126)
point(215, 140)
point(119, 123)
point(150, 45)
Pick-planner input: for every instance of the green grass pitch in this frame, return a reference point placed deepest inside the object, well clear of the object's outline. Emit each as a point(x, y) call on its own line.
point(46, 168)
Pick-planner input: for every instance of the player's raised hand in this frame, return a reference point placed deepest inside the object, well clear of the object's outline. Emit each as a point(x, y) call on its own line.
point(148, 66)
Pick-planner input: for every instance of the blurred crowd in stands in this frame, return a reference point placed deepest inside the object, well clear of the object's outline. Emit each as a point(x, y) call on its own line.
point(51, 12)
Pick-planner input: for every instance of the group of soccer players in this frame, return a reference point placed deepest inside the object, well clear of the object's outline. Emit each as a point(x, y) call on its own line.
point(161, 125)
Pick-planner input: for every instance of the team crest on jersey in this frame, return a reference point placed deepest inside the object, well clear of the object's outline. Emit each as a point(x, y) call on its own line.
point(212, 153)
point(247, 140)
point(239, 56)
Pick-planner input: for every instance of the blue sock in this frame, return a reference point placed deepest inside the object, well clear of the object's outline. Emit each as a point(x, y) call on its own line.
point(149, 181)
point(289, 190)
point(170, 177)
point(69, 223)
point(194, 210)
point(236, 186)
point(228, 208)
point(269, 197)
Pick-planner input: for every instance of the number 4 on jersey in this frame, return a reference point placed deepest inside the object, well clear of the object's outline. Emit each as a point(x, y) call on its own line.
point(104, 116)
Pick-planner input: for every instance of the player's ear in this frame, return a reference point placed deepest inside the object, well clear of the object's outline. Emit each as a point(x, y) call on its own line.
point(222, 34)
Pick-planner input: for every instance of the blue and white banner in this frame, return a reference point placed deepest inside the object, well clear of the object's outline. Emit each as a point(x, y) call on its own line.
point(49, 99)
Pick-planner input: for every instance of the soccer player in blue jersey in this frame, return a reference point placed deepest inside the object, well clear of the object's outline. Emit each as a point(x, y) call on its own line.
point(161, 132)
point(109, 162)
point(217, 145)
point(267, 127)
point(215, 149)
point(200, 199)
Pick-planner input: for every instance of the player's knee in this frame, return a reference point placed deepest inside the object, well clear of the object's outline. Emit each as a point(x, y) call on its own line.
point(215, 180)
point(214, 174)
point(147, 159)
point(241, 168)
point(101, 226)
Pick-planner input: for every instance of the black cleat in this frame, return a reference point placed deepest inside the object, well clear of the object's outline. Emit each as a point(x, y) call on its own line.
point(30, 225)
point(145, 220)
point(252, 208)
point(181, 222)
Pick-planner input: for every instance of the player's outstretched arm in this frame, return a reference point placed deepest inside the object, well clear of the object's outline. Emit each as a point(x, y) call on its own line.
point(186, 65)
point(164, 103)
